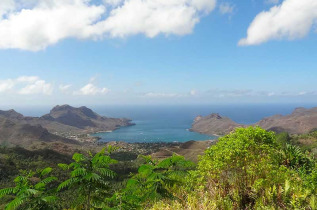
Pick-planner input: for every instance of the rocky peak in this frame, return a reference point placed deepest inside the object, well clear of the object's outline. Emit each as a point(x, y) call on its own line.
point(216, 116)
point(62, 108)
point(299, 110)
point(88, 112)
point(11, 114)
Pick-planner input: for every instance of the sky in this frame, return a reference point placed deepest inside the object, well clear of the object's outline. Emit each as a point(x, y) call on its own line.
point(98, 52)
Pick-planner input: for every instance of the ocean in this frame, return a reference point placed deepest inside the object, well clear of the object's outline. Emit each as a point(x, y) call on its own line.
point(171, 123)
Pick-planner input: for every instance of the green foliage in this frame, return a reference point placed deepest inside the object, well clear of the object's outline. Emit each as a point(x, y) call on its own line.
point(89, 178)
point(30, 191)
point(283, 138)
point(293, 157)
point(155, 180)
point(248, 169)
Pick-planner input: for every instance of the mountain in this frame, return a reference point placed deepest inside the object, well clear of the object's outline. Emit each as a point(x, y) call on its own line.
point(13, 133)
point(214, 124)
point(301, 121)
point(63, 124)
point(11, 114)
point(84, 118)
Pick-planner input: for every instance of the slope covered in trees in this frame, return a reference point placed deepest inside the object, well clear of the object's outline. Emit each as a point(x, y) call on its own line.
point(249, 168)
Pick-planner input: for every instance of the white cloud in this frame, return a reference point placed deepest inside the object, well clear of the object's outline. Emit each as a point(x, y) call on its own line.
point(6, 85)
point(219, 93)
point(293, 19)
point(6, 6)
point(26, 85)
point(47, 23)
point(154, 17)
point(161, 95)
point(64, 88)
point(27, 79)
point(37, 87)
point(226, 8)
point(50, 21)
point(113, 2)
point(91, 89)
point(193, 92)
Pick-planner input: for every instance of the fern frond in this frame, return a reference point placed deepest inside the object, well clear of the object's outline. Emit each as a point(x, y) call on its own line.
point(106, 172)
point(44, 182)
point(63, 166)
point(79, 157)
point(31, 191)
point(6, 191)
point(146, 169)
point(67, 183)
point(46, 171)
point(92, 176)
point(50, 199)
point(79, 172)
point(15, 203)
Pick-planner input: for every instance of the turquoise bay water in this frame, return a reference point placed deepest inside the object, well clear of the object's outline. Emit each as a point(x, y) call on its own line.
point(171, 123)
point(153, 131)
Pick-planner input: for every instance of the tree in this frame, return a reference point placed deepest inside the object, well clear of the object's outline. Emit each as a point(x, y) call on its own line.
point(89, 177)
point(155, 179)
point(31, 192)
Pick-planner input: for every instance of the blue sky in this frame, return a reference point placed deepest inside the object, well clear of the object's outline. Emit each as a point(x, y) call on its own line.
point(194, 59)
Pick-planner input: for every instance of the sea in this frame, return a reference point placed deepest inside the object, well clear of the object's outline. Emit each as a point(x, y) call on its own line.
point(171, 123)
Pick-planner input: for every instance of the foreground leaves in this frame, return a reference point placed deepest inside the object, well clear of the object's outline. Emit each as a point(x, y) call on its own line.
point(89, 177)
point(31, 191)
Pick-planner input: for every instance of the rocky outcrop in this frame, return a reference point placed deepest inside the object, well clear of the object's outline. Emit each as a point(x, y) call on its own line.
point(214, 124)
point(11, 114)
point(84, 118)
point(302, 120)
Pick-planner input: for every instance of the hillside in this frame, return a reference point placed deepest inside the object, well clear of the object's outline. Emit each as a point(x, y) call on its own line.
point(63, 124)
point(84, 118)
point(190, 150)
point(300, 121)
point(12, 133)
point(214, 124)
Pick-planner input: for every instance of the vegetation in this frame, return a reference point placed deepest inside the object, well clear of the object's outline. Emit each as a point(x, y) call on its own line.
point(30, 191)
point(248, 169)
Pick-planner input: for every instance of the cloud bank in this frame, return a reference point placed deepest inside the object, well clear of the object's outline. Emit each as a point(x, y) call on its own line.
point(45, 23)
point(26, 85)
point(293, 19)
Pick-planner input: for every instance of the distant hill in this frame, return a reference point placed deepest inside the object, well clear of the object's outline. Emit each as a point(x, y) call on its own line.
point(13, 133)
point(214, 124)
point(60, 125)
point(84, 118)
point(300, 121)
